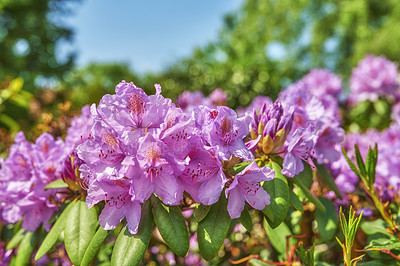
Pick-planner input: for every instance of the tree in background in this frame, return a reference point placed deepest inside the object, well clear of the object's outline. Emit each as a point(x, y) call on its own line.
point(29, 33)
point(87, 85)
point(267, 45)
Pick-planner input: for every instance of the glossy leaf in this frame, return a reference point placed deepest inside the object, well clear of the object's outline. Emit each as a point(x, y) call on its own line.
point(80, 227)
point(59, 183)
point(306, 176)
point(277, 236)
point(16, 239)
point(26, 248)
point(295, 201)
point(352, 166)
point(212, 230)
point(94, 246)
point(200, 212)
point(384, 243)
point(172, 226)
point(327, 222)
point(130, 249)
point(245, 219)
point(308, 194)
point(327, 178)
point(360, 161)
point(374, 227)
point(55, 231)
point(278, 190)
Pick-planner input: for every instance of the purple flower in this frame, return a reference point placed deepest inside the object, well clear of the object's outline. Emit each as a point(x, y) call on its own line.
point(203, 176)
point(246, 187)
point(223, 129)
point(327, 148)
point(188, 101)
point(80, 127)
point(373, 77)
point(322, 82)
point(119, 204)
point(271, 127)
point(154, 170)
point(299, 148)
point(255, 105)
point(396, 113)
point(218, 97)
point(23, 176)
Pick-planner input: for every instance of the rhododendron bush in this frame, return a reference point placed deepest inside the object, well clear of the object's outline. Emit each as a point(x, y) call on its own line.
point(137, 173)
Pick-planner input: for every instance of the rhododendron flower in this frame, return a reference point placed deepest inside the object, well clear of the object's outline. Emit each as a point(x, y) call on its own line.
point(246, 187)
point(203, 177)
point(119, 204)
point(156, 171)
point(223, 129)
point(299, 149)
point(373, 77)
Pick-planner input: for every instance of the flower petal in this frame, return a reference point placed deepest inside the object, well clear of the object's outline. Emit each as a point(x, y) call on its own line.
point(235, 203)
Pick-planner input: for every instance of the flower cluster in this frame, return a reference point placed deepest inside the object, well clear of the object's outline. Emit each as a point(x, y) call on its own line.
point(387, 181)
point(316, 112)
point(374, 77)
point(143, 144)
point(30, 167)
point(23, 177)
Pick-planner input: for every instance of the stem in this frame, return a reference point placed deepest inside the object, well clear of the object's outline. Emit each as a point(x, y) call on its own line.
point(379, 205)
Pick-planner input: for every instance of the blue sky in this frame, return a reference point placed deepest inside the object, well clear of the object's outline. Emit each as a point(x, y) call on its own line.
point(147, 34)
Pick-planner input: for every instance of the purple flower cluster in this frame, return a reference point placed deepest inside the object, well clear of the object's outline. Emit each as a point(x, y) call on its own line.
point(387, 181)
point(316, 119)
point(303, 125)
point(30, 167)
point(374, 77)
point(143, 144)
point(23, 177)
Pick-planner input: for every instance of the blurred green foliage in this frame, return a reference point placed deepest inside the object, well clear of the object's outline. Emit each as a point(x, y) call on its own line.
point(89, 84)
point(267, 45)
point(29, 33)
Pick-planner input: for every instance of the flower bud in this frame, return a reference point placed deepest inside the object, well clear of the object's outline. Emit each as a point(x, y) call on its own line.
point(273, 126)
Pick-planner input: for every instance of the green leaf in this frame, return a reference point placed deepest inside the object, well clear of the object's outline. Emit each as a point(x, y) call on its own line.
point(278, 236)
point(308, 194)
point(130, 249)
point(360, 162)
point(94, 246)
point(16, 239)
point(200, 212)
point(80, 227)
point(239, 167)
point(278, 191)
point(26, 248)
point(172, 226)
point(295, 201)
point(212, 230)
point(245, 219)
point(384, 243)
point(352, 166)
point(374, 227)
point(327, 178)
point(306, 176)
point(59, 183)
point(327, 222)
point(55, 231)
point(371, 165)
